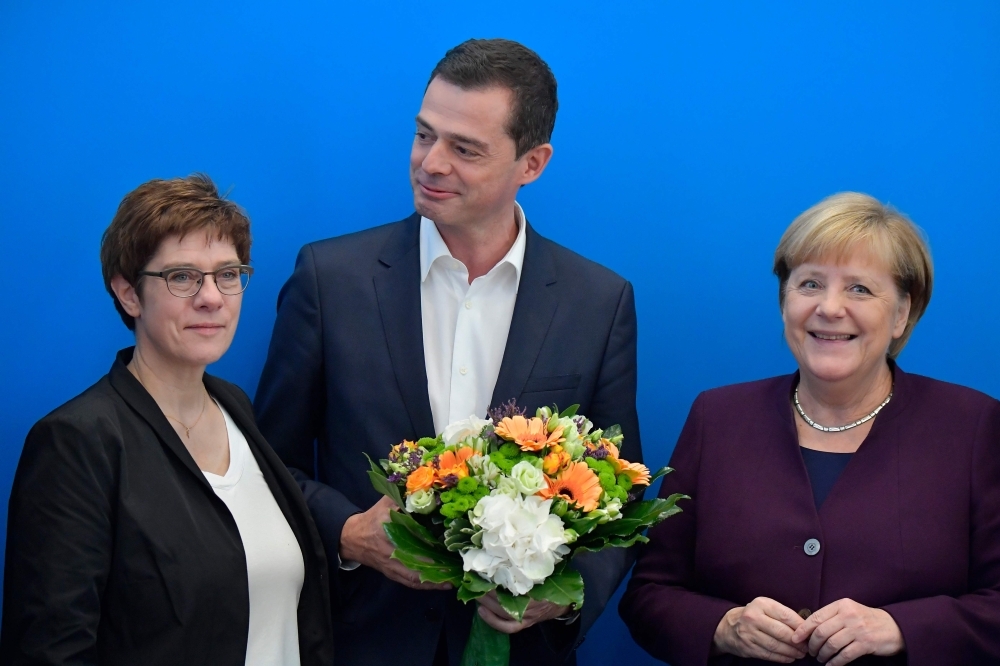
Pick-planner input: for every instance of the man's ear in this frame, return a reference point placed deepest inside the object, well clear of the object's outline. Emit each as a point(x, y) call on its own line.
point(127, 296)
point(534, 162)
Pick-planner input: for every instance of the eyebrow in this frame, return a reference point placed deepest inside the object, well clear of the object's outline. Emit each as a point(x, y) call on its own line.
point(460, 138)
point(221, 264)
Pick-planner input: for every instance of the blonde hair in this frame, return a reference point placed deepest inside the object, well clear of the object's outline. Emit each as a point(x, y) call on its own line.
point(845, 223)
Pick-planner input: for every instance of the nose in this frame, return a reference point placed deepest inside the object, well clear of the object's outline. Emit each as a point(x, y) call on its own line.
point(436, 161)
point(831, 305)
point(209, 295)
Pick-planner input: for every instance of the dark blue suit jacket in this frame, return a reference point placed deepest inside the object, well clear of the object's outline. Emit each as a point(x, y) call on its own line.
point(345, 375)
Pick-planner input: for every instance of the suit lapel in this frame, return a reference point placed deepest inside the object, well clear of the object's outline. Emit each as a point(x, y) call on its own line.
point(534, 310)
point(142, 402)
point(397, 287)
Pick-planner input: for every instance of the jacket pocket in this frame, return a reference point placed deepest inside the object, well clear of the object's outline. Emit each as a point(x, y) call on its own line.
point(554, 383)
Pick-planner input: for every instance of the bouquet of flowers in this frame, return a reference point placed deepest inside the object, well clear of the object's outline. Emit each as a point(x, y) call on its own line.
point(505, 503)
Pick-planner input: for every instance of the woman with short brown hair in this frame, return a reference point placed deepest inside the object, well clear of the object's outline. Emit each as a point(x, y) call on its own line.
point(150, 522)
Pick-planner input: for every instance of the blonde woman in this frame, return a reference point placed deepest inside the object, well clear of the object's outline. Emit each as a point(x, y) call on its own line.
point(848, 512)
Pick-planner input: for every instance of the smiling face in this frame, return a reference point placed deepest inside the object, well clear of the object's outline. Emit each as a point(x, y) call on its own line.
point(841, 316)
point(193, 331)
point(462, 165)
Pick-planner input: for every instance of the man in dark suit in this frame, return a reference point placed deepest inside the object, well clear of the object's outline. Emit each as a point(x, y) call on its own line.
point(394, 332)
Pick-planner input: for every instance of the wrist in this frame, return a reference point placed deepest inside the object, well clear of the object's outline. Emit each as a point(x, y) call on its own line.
point(349, 551)
point(723, 632)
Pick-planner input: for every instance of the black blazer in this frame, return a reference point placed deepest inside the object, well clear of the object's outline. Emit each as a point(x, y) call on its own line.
point(345, 370)
point(119, 550)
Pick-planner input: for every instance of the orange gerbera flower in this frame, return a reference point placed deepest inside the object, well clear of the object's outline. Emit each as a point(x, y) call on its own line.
point(530, 434)
point(577, 484)
point(452, 463)
point(422, 478)
point(638, 472)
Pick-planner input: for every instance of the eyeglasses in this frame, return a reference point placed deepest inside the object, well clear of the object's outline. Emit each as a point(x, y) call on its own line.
point(186, 282)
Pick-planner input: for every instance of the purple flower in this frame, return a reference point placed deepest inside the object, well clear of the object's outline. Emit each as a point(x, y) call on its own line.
point(506, 410)
point(450, 481)
point(395, 477)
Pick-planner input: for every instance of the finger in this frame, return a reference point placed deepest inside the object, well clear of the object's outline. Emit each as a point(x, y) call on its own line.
point(491, 602)
point(775, 650)
point(782, 614)
point(833, 645)
point(498, 623)
point(823, 633)
point(847, 655)
point(808, 627)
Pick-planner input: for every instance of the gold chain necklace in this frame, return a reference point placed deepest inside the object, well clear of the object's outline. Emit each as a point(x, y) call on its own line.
point(187, 428)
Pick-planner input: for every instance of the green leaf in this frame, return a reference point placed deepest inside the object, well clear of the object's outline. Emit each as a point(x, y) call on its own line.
point(474, 586)
point(584, 526)
point(430, 572)
point(612, 431)
point(415, 528)
point(569, 411)
point(663, 471)
point(563, 588)
point(381, 483)
point(403, 539)
point(514, 605)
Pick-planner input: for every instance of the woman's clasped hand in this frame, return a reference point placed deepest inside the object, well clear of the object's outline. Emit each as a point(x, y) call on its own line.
point(836, 634)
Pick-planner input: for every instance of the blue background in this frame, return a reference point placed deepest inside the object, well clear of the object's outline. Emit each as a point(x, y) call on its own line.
point(689, 136)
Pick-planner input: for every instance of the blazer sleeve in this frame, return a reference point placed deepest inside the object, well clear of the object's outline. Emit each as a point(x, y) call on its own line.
point(291, 397)
point(613, 402)
point(665, 614)
point(59, 541)
point(944, 630)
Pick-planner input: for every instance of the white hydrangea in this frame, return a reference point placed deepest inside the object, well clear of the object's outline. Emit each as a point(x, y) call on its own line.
point(521, 541)
point(459, 430)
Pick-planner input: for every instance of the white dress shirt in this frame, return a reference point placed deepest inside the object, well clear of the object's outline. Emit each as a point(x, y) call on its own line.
point(465, 326)
point(275, 570)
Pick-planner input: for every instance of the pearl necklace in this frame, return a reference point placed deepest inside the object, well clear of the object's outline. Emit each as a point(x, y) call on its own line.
point(842, 428)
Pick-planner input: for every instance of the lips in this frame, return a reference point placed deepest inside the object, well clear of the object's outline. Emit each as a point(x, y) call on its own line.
point(435, 193)
point(832, 337)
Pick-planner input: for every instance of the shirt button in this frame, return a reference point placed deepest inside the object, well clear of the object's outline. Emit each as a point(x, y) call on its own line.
point(463, 370)
point(811, 547)
point(468, 305)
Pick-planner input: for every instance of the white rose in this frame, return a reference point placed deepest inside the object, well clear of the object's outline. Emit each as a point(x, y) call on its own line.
point(421, 501)
point(521, 541)
point(459, 430)
point(527, 478)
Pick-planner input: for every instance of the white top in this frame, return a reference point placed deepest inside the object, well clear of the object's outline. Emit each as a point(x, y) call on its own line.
point(274, 561)
point(465, 326)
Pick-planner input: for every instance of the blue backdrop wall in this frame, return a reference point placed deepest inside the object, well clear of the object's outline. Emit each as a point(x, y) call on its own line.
point(689, 136)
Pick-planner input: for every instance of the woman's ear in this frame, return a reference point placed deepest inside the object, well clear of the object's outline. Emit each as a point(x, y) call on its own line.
point(127, 296)
point(902, 317)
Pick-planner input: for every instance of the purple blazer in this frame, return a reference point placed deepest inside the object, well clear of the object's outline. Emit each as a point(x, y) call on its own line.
point(911, 526)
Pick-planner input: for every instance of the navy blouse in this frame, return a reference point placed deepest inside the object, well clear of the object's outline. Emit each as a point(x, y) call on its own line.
point(824, 469)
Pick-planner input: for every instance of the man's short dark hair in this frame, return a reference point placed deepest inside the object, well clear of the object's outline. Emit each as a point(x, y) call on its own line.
point(485, 63)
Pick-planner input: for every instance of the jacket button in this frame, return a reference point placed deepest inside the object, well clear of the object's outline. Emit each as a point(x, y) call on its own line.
point(811, 547)
point(805, 613)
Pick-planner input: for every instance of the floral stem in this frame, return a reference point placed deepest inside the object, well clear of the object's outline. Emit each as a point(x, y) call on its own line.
point(486, 646)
